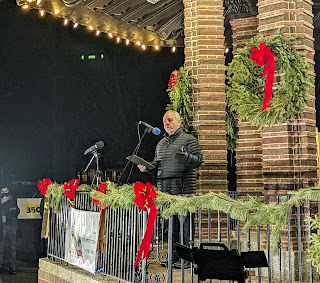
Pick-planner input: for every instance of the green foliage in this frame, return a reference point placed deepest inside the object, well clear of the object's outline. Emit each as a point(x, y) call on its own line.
point(245, 89)
point(251, 210)
point(180, 85)
point(314, 248)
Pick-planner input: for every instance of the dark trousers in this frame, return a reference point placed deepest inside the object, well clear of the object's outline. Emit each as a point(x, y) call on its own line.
point(8, 241)
point(183, 222)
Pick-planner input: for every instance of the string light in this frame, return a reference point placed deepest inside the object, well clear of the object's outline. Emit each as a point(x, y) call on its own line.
point(227, 50)
point(65, 21)
point(38, 2)
point(144, 47)
point(118, 39)
point(110, 35)
point(25, 6)
point(174, 49)
point(138, 43)
point(90, 27)
point(127, 41)
point(98, 32)
point(75, 25)
point(41, 12)
point(56, 11)
point(157, 47)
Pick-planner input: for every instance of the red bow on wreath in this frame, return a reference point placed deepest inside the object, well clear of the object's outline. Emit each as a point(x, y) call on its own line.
point(264, 56)
point(144, 199)
point(70, 188)
point(43, 186)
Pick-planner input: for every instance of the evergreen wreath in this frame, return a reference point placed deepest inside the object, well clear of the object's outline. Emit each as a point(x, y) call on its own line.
point(179, 87)
point(245, 89)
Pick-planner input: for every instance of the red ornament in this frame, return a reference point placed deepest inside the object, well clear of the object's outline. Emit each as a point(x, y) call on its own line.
point(43, 186)
point(264, 56)
point(144, 199)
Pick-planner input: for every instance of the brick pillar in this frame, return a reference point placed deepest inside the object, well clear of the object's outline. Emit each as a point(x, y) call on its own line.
point(249, 144)
point(204, 55)
point(289, 149)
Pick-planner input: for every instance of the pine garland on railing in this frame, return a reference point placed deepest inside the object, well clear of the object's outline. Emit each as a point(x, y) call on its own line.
point(251, 210)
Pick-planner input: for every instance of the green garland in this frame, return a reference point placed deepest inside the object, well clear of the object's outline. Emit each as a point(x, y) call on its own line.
point(245, 89)
point(179, 88)
point(252, 211)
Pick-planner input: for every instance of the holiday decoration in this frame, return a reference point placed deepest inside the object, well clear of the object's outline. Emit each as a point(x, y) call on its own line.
point(70, 188)
point(179, 87)
point(264, 56)
point(103, 188)
point(246, 94)
point(43, 186)
point(144, 199)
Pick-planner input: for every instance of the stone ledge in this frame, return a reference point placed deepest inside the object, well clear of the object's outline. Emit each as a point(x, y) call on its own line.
point(51, 272)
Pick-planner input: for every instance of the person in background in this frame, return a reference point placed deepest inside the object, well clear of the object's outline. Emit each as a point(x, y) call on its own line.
point(177, 156)
point(9, 212)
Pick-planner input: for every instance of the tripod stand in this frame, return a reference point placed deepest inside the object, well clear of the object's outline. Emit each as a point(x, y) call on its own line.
point(98, 174)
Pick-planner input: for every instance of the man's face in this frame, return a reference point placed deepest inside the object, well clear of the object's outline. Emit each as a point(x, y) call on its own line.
point(170, 123)
point(4, 190)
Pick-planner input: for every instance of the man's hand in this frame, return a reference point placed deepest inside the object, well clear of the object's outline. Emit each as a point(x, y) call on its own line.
point(183, 153)
point(142, 168)
point(4, 199)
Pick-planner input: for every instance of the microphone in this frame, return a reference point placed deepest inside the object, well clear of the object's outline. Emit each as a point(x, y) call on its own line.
point(96, 146)
point(156, 131)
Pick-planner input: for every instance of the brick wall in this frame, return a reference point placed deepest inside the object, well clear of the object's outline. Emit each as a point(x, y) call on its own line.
point(289, 149)
point(204, 55)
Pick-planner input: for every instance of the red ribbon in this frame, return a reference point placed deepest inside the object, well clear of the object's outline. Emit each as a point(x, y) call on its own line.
point(103, 188)
point(144, 199)
point(43, 186)
point(264, 56)
point(70, 188)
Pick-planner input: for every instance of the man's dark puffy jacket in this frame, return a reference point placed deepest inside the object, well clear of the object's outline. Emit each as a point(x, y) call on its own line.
point(177, 172)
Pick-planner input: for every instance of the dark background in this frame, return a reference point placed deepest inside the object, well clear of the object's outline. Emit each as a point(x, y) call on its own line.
point(54, 105)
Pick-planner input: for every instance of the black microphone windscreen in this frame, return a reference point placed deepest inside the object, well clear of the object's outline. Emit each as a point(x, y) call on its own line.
point(100, 144)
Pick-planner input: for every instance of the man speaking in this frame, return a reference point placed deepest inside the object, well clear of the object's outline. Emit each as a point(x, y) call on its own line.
point(177, 156)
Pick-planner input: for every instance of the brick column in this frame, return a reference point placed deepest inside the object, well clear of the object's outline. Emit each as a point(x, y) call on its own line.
point(249, 144)
point(204, 55)
point(289, 149)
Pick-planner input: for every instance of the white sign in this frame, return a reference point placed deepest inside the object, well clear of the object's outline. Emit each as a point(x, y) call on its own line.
point(29, 208)
point(82, 239)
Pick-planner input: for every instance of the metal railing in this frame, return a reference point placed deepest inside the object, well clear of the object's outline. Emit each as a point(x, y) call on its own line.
point(124, 230)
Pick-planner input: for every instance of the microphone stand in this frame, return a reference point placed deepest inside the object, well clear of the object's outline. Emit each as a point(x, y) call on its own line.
point(97, 174)
point(135, 151)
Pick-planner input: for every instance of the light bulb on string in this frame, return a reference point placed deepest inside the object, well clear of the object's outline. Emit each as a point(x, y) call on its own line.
point(144, 47)
point(38, 2)
point(157, 47)
point(127, 41)
point(118, 39)
point(98, 32)
point(90, 27)
point(41, 12)
point(110, 35)
point(25, 7)
point(75, 25)
point(138, 43)
point(174, 49)
point(65, 21)
point(56, 11)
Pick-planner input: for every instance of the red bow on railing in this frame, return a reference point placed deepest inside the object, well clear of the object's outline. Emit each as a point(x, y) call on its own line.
point(43, 186)
point(264, 56)
point(70, 188)
point(144, 199)
point(103, 188)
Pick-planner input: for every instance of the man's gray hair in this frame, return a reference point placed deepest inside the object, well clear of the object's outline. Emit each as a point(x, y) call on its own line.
point(176, 114)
